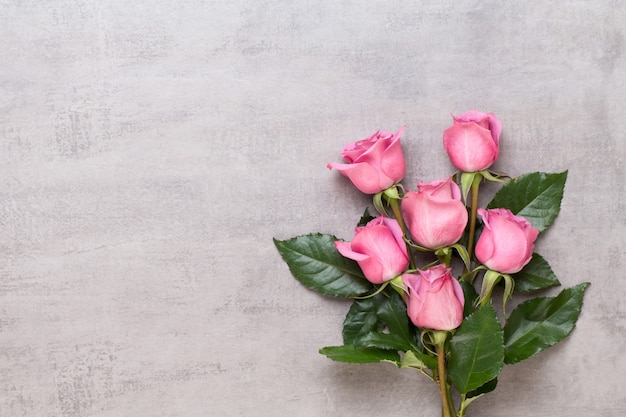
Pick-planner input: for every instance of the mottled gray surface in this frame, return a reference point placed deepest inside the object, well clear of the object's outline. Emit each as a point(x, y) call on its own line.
point(151, 150)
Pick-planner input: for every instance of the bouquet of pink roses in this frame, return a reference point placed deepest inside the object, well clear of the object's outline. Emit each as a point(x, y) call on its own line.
point(423, 271)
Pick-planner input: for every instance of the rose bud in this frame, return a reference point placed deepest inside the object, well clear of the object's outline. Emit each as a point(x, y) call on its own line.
point(435, 300)
point(435, 215)
point(374, 163)
point(378, 248)
point(472, 142)
point(506, 242)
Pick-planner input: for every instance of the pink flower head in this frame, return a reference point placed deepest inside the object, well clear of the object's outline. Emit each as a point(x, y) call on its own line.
point(507, 241)
point(435, 214)
point(378, 248)
point(374, 163)
point(435, 299)
point(472, 142)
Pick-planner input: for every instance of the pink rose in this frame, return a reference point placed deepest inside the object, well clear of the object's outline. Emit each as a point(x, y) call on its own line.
point(435, 299)
point(472, 143)
point(374, 163)
point(506, 242)
point(435, 214)
point(378, 248)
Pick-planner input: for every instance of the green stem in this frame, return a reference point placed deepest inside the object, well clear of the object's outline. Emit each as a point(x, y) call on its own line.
point(474, 210)
point(462, 407)
point(444, 256)
point(395, 207)
point(443, 386)
point(451, 403)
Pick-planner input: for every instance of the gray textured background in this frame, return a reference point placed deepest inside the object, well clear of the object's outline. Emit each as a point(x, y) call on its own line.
point(151, 150)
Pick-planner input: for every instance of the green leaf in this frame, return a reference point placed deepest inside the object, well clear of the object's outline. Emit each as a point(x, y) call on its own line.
point(314, 261)
point(536, 197)
point(470, 295)
point(359, 354)
point(536, 275)
point(473, 395)
point(463, 254)
point(483, 389)
point(419, 360)
point(380, 321)
point(411, 360)
point(542, 322)
point(365, 218)
point(476, 350)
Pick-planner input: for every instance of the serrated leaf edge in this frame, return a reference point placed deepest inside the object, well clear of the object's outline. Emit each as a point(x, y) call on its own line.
point(583, 285)
point(499, 369)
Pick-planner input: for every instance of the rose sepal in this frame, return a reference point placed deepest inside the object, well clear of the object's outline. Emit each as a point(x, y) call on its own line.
point(495, 176)
point(438, 337)
point(388, 195)
point(398, 285)
point(467, 179)
point(417, 247)
point(490, 280)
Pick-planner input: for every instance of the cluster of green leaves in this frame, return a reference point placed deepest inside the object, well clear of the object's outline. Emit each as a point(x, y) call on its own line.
point(378, 329)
